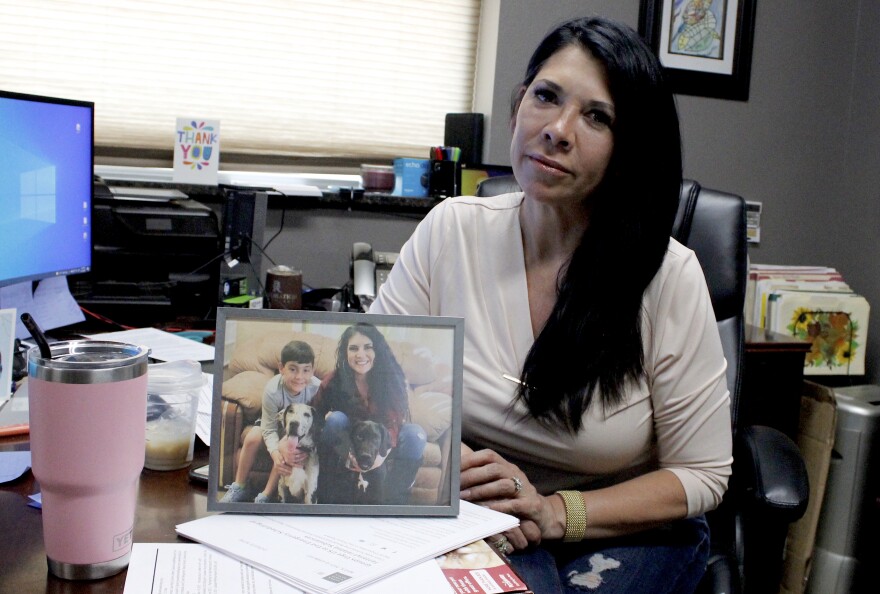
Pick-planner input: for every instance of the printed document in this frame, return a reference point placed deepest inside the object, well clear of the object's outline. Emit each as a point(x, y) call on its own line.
point(50, 304)
point(173, 568)
point(164, 346)
point(339, 554)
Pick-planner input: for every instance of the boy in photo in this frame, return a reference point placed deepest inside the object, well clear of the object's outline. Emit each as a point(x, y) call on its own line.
point(295, 383)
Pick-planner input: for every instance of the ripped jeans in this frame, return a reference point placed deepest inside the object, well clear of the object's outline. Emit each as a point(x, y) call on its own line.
point(667, 560)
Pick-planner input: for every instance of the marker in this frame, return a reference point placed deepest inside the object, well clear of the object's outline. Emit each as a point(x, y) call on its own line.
point(37, 335)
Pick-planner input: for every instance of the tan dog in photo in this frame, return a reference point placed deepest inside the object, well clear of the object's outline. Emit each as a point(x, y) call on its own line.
point(299, 428)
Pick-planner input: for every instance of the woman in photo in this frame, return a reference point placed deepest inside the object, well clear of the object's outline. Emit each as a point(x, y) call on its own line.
point(595, 403)
point(367, 383)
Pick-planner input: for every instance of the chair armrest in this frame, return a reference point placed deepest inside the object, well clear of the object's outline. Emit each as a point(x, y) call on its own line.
point(770, 473)
point(720, 576)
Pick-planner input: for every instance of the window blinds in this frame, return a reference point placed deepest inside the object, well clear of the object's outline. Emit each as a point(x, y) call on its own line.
point(337, 78)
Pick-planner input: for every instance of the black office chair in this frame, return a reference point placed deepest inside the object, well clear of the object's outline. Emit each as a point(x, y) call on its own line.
point(768, 487)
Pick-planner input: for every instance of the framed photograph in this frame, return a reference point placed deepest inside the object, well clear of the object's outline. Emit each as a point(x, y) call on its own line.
point(336, 413)
point(705, 46)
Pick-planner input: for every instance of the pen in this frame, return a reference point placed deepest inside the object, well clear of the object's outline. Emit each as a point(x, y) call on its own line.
point(18, 429)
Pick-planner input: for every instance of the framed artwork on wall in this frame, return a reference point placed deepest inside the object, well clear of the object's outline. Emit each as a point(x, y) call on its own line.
point(705, 46)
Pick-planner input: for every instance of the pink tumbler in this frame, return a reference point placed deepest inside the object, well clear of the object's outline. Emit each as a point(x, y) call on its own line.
point(88, 407)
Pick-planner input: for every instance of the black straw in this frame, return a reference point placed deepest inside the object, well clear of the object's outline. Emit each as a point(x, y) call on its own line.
point(37, 335)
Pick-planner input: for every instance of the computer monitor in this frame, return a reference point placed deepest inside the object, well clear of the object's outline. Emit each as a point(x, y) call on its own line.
point(46, 180)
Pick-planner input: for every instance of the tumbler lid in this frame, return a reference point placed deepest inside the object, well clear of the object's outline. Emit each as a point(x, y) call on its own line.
point(88, 361)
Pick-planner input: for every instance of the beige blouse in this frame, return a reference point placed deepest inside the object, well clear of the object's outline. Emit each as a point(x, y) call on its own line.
point(465, 259)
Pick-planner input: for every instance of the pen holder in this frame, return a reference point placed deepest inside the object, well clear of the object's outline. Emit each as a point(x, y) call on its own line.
point(445, 179)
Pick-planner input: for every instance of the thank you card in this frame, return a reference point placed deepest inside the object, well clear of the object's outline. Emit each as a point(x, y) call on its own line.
point(197, 151)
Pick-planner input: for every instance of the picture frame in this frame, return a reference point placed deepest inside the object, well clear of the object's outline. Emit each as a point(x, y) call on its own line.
point(704, 46)
point(423, 352)
point(7, 352)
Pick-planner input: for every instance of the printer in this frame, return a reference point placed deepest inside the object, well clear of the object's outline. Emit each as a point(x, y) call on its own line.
point(155, 257)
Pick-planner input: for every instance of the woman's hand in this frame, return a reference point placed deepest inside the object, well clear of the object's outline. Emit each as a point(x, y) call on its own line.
point(490, 480)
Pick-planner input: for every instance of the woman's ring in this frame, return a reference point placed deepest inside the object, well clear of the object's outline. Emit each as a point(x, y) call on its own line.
point(501, 545)
point(517, 484)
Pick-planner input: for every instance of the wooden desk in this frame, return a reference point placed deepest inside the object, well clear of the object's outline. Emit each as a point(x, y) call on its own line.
point(165, 499)
point(773, 374)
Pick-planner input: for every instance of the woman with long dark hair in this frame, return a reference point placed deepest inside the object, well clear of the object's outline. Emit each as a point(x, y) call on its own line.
point(595, 403)
point(368, 383)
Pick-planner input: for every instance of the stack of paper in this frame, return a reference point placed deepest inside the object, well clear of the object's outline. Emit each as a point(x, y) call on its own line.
point(812, 303)
point(164, 346)
point(174, 568)
point(340, 554)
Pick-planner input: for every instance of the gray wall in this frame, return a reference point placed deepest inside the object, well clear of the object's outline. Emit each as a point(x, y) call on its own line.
point(319, 241)
point(806, 144)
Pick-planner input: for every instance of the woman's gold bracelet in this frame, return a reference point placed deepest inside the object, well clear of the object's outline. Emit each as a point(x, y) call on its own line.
point(575, 516)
